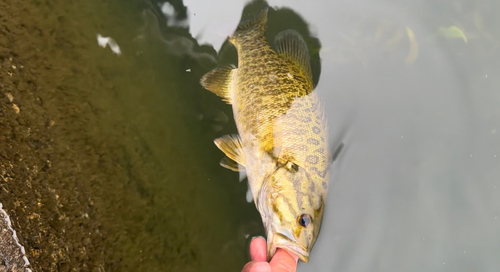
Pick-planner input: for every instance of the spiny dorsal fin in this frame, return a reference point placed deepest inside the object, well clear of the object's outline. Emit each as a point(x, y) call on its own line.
point(231, 146)
point(290, 45)
point(218, 81)
point(259, 22)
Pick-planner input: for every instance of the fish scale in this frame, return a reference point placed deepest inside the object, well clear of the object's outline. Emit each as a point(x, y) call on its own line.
point(277, 95)
point(282, 140)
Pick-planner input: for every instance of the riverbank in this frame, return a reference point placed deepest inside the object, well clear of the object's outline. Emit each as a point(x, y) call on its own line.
point(83, 186)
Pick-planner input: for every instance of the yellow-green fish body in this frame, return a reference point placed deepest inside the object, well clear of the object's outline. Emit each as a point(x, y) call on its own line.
point(282, 142)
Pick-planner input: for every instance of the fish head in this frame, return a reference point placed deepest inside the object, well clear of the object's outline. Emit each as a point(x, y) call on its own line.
point(293, 212)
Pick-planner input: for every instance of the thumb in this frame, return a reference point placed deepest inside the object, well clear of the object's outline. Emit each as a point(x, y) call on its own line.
point(255, 266)
point(284, 261)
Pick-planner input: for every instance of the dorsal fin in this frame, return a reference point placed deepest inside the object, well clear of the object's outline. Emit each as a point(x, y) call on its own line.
point(290, 45)
point(231, 146)
point(218, 81)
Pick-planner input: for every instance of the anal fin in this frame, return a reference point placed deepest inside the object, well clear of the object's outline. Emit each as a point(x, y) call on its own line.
point(218, 81)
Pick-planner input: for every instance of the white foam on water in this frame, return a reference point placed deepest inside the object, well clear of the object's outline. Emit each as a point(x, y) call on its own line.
point(14, 236)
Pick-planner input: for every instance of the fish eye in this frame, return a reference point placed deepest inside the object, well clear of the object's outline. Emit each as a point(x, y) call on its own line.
point(304, 220)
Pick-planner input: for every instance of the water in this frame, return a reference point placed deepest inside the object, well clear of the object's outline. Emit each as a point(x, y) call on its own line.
point(114, 169)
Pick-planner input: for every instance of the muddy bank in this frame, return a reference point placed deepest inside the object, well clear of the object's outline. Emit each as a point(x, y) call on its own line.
point(77, 174)
point(42, 163)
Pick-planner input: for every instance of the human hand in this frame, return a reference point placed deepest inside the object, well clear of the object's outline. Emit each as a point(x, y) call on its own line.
point(282, 261)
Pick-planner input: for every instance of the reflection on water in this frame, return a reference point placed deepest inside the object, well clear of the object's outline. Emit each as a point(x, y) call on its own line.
point(107, 161)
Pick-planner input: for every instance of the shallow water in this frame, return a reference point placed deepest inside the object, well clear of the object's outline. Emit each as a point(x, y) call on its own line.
point(414, 188)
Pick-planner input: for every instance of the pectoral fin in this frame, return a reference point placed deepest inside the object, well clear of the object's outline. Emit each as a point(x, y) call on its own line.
point(231, 165)
point(290, 45)
point(231, 146)
point(249, 195)
point(218, 81)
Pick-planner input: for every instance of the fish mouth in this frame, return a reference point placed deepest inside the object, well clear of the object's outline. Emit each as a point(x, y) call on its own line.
point(280, 240)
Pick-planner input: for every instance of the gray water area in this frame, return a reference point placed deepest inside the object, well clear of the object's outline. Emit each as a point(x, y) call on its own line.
point(416, 186)
point(414, 100)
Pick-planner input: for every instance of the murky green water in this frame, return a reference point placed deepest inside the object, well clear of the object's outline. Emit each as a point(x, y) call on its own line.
point(107, 161)
point(125, 144)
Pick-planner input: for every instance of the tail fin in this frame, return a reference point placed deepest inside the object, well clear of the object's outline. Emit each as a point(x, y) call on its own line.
point(257, 24)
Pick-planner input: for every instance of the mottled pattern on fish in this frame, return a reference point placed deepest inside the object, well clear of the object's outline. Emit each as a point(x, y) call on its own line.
point(267, 85)
point(301, 135)
point(282, 140)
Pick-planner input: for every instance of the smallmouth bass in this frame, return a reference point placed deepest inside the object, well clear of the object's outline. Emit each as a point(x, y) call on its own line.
point(282, 143)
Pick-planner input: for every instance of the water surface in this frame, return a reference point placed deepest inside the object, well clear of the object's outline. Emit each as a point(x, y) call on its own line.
point(416, 103)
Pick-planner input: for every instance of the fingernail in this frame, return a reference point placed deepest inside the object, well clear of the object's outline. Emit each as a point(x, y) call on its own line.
point(257, 237)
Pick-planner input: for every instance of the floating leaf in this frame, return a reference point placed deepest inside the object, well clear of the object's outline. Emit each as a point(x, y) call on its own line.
point(453, 32)
point(413, 52)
